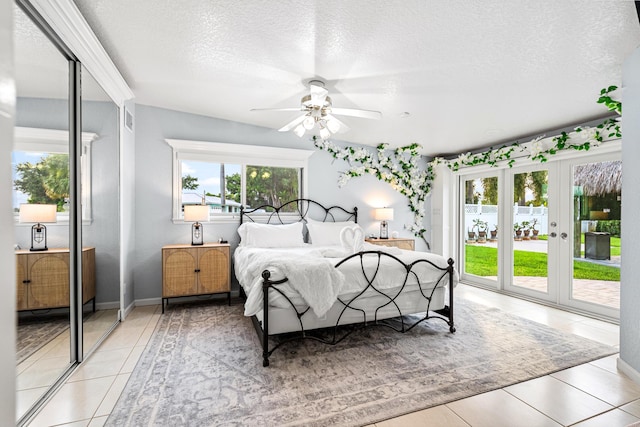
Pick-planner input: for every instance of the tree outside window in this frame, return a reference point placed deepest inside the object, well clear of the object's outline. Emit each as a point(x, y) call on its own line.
point(46, 181)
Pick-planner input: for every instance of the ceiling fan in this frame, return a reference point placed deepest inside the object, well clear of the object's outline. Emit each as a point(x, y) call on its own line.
point(319, 113)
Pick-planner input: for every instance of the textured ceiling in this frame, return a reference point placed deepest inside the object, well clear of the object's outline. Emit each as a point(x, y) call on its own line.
point(469, 73)
point(41, 70)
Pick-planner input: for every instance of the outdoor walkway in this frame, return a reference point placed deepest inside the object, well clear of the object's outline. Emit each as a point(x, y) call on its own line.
point(600, 292)
point(595, 291)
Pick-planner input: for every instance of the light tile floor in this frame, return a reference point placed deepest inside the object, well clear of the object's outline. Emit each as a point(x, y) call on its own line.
point(593, 394)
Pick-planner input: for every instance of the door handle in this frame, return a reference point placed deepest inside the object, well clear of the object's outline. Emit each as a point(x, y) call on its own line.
point(553, 234)
point(564, 236)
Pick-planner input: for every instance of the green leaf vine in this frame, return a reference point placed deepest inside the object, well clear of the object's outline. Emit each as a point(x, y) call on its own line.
point(582, 138)
point(401, 167)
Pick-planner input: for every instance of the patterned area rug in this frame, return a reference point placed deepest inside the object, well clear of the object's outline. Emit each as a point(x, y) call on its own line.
point(203, 367)
point(34, 332)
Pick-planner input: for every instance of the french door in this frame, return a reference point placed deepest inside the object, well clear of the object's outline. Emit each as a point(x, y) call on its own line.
point(557, 231)
point(533, 248)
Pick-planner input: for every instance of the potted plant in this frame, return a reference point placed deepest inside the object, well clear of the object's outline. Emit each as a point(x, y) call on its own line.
point(471, 236)
point(517, 228)
point(494, 232)
point(482, 227)
point(534, 230)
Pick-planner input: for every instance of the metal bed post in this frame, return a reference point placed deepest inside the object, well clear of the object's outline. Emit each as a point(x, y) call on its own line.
point(452, 328)
point(266, 284)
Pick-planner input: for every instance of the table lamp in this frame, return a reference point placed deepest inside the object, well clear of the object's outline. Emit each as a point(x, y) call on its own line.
point(383, 215)
point(39, 214)
point(196, 213)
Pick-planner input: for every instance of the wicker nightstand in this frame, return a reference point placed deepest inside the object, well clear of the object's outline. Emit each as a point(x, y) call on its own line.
point(195, 270)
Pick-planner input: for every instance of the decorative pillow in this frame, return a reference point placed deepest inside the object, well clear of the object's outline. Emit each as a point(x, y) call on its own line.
point(271, 235)
point(327, 233)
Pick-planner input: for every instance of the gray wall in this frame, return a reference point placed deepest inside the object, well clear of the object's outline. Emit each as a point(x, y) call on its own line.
point(128, 208)
point(7, 260)
point(103, 231)
point(153, 186)
point(630, 269)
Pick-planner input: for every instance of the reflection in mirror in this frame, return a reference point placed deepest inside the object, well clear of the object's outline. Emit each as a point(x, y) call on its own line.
point(100, 236)
point(40, 176)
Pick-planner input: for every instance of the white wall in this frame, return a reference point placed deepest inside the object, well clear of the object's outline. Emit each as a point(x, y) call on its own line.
point(630, 269)
point(7, 263)
point(153, 186)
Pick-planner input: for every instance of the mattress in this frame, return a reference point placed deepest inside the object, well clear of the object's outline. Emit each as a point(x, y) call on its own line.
point(363, 282)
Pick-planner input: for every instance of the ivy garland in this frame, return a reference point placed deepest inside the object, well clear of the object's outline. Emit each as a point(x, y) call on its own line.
point(401, 168)
point(590, 137)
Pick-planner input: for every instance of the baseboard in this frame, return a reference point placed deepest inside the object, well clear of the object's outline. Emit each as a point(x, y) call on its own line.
point(628, 370)
point(128, 310)
point(107, 305)
point(147, 301)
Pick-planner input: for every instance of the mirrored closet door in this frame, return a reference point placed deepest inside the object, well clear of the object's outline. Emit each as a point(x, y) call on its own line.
point(41, 202)
point(100, 166)
point(66, 189)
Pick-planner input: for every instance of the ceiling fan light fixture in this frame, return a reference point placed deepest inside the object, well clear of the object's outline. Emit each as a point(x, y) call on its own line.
point(324, 133)
point(299, 130)
point(333, 126)
point(309, 122)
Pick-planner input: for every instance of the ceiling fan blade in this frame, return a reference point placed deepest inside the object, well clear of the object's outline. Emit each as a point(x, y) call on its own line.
point(278, 109)
point(293, 123)
point(343, 127)
point(364, 114)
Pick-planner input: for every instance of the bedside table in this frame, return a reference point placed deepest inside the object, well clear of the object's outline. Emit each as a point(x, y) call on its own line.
point(189, 270)
point(408, 244)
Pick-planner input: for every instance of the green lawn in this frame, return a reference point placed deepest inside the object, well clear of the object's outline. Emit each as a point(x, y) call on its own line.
point(615, 244)
point(483, 261)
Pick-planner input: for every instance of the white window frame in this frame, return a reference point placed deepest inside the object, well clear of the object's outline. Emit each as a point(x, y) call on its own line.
point(240, 154)
point(57, 142)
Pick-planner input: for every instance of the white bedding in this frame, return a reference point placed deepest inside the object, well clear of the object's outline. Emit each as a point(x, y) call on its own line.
point(313, 279)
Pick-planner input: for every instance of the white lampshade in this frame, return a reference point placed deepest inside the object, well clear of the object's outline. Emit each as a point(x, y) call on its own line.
point(324, 133)
point(309, 122)
point(333, 125)
point(196, 213)
point(383, 214)
point(36, 213)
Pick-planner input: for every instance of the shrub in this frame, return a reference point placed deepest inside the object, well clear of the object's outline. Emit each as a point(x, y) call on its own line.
point(609, 226)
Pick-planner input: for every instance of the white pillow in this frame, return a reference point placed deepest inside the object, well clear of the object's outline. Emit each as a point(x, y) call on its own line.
point(327, 233)
point(271, 235)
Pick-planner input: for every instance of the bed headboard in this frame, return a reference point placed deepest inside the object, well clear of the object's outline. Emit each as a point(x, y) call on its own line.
point(300, 209)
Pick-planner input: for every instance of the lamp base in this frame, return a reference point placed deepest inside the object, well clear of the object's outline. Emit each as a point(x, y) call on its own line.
point(197, 234)
point(32, 249)
point(384, 230)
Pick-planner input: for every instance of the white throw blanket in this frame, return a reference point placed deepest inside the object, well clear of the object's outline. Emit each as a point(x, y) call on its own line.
point(314, 278)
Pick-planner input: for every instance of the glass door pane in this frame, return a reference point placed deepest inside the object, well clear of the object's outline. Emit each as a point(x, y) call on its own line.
point(530, 267)
point(596, 233)
point(481, 227)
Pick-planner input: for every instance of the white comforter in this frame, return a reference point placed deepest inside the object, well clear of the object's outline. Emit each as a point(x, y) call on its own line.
point(314, 280)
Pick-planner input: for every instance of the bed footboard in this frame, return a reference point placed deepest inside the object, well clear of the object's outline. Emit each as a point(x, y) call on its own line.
point(445, 314)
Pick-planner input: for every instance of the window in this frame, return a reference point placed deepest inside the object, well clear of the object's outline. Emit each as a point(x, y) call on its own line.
point(226, 176)
point(40, 170)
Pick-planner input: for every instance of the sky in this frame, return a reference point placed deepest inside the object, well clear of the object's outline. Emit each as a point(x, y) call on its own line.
point(208, 174)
